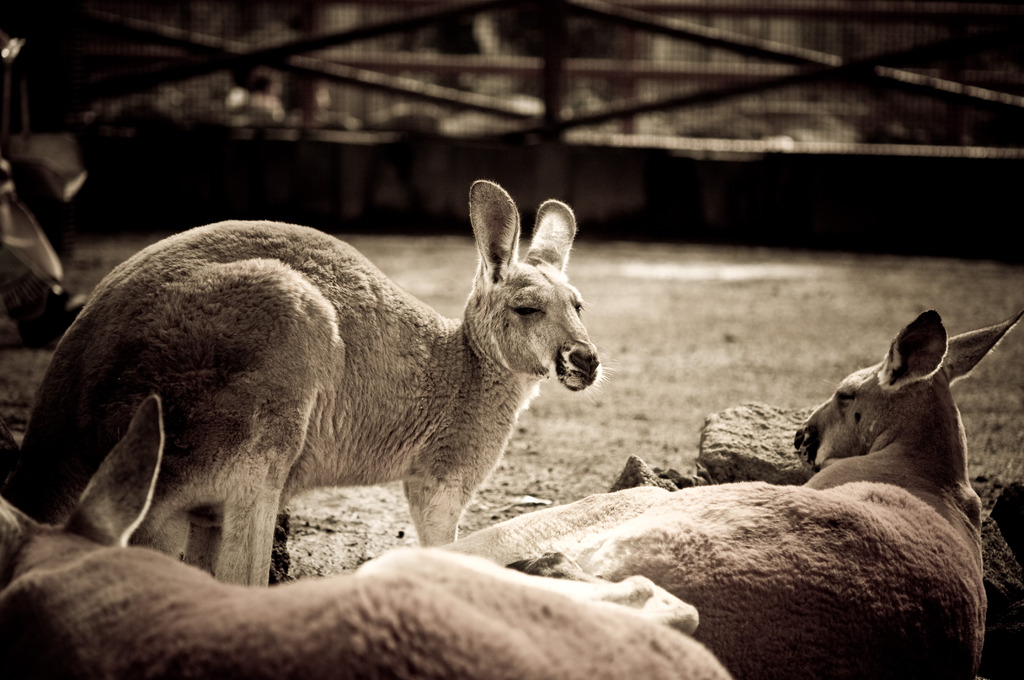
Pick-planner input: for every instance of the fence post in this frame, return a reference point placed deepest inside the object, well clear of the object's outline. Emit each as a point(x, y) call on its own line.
point(310, 14)
point(554, 18)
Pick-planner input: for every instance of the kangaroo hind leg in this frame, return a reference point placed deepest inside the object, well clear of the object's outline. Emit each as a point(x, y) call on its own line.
point(436, 507)
point(244, 540)
point(204, 532)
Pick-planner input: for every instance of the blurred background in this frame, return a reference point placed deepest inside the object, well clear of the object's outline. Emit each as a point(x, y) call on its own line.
point(889, 125)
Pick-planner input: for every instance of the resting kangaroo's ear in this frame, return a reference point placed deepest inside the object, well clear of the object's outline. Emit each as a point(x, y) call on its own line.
point(495, 223)
point(118, 495)
point(916, 353)
point(967, 349)
point(553, 234)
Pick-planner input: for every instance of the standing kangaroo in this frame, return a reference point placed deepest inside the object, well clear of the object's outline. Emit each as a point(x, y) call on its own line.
point(286, 360)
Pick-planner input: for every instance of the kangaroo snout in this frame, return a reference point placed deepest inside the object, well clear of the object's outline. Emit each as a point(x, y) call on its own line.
point(577, 366)
point(585, 360)
point(806, 442)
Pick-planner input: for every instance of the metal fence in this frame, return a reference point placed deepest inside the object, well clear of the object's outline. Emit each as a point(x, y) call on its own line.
point(897, 77)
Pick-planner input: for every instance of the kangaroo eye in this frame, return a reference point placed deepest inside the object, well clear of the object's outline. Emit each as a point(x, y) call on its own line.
point(525, 311)
point(845, 396)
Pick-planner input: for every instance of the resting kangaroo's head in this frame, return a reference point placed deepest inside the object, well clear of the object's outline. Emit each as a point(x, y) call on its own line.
point(905, 398)
point(524, 314)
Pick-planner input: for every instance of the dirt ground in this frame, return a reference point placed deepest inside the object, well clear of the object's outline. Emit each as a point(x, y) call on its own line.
point(683, 330)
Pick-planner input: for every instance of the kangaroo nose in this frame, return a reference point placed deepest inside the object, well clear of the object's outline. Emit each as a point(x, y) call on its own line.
point(806, 442)
point(585, 360)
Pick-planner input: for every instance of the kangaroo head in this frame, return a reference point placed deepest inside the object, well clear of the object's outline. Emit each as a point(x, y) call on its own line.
point(113, 504)
point(903, 399)
point(524, 314)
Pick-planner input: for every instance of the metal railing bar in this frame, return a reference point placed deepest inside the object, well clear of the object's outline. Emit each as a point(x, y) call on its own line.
point(611, 69)
point(710, 146)
point(160, 34)
point(311, 66)
point(123, 84)
point(709, 36)
point(869, 70)
point(867, 10)
point(411, 87)
point(885, 10)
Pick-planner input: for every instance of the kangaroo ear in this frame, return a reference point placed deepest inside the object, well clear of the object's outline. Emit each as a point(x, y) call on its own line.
point(553, 234)
point(118, 496)
point(967, 349)
point(495, 223)
point(916, 353)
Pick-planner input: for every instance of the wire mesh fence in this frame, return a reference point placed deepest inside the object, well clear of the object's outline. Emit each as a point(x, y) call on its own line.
point(893, 76)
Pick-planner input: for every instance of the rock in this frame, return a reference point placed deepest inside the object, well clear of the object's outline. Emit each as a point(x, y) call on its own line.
point(280, 559)
point(1004, 577)
point(637, 473)
point(1004, 584)
point(681, 481)
point(1001, 657)
point(1008, 512)
point(753, 442)
point(750, 442)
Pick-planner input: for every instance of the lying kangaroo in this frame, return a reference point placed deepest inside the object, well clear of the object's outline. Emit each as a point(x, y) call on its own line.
point(286, 361)
point(870, 570)
point(76, 603)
